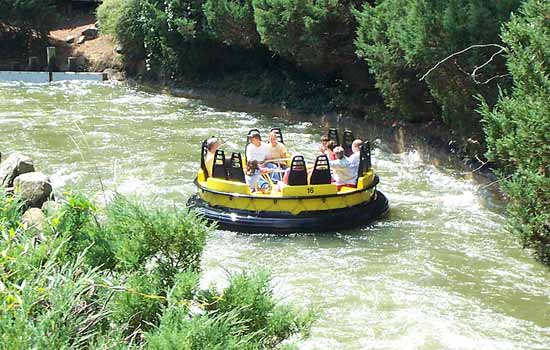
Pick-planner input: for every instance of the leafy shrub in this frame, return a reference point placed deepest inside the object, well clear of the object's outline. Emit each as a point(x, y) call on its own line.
point(214, 332)
point(232, 22)
point(110, 15)
point(53, 296)
point(518, 127)
point(28, 17)
point(403, 39)
point(77, 223)
point(54, 306)
point(10, 213)
point(313, 34)
point(175, 239)
point(139, 305)
point(250, 297)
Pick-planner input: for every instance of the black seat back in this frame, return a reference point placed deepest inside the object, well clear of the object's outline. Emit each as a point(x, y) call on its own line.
point(298, 172)
point(219, 168)
point(365, 162)
point(279, 134)
point(347, 142)
point(321, 171)
point(204, 152)
point(236, 171)
point(333, 135)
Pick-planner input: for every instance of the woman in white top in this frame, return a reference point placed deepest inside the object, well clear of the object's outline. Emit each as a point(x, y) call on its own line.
point(256, 150)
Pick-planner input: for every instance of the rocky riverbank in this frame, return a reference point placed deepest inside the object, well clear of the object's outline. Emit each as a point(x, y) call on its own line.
point(33, 188)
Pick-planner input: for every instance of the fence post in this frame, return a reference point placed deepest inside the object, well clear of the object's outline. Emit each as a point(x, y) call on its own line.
point(72, 64)
point(33, 63)
point(51, 61)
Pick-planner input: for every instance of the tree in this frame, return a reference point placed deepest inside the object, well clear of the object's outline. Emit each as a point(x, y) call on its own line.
point(402, 39)
point(518, 127)
point(24, 21)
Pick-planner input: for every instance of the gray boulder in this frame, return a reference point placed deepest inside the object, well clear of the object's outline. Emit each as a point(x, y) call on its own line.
point(33, 188)
point(35, 219)
point(51, 207)
point(15, 165)
point(90, 33)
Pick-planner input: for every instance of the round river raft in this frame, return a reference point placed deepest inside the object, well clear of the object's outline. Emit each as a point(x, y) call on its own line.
point(308, 203)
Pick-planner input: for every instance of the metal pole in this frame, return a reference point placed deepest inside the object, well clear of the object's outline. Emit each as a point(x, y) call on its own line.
point(51, 61)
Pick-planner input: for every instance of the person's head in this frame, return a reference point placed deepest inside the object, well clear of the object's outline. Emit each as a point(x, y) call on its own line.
point(356, 145)
point(251, 167)
point(273, 138)
point(212, 144)
point(256, 139)
point(331, 145)
point(324, 140)
point(339, 152)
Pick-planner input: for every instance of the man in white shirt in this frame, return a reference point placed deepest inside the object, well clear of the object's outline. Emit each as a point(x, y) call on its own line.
point(355, 158)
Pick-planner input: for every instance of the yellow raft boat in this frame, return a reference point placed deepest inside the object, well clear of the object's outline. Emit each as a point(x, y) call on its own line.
point(307, 204)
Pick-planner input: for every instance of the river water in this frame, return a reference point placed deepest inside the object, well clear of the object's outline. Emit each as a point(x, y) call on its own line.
point(439, 273)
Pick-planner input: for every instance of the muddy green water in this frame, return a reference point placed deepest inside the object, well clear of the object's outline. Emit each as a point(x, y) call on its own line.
point(439, 273)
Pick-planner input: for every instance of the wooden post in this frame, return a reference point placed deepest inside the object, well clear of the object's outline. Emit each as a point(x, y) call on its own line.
point(51, 61)
point(33, 63)
point(72, 64)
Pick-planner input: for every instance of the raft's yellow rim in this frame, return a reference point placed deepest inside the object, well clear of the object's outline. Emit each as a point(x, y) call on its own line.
point(292, 199)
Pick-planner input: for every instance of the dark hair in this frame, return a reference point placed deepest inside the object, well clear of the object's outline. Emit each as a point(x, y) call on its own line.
point(251, 167)
point(325, 138)
point(331, 145)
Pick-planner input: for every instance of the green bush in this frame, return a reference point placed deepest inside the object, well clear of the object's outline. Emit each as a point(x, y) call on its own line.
point(10, 213)
point(250, 297)
point(52, 296)
point(313, 34)
point(139, 306)
point(172, 239)
point(216, 332)
point(518, 127)
point(54, 306)
point(232, 22)
point(77, 223)
point(402, 39)
point(110, 15)
point(29, 16)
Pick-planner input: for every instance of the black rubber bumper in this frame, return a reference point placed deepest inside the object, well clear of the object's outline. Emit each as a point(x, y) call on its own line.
point(283, 223)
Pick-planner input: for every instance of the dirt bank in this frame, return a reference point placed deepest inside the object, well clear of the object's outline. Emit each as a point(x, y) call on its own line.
point(94, 55)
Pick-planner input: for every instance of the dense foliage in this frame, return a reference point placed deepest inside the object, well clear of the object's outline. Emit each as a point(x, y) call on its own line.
point(300, 52)
point(403, 39)
point(518, 127)
point(24, 21)
point(126, 278)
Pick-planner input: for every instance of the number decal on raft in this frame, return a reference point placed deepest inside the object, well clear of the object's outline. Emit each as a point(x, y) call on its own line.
point(310, 190)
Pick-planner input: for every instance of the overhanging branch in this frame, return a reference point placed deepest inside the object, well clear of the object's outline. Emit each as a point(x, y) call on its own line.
point(500, 50)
